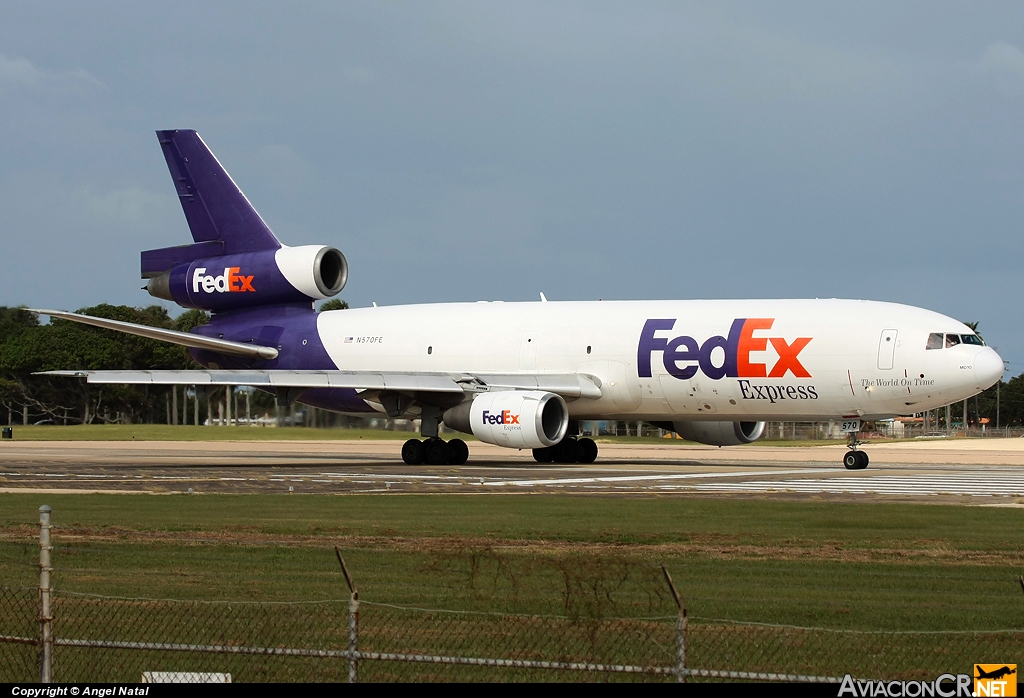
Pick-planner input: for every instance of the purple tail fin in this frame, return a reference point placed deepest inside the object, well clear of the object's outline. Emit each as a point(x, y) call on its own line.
point(216, 209)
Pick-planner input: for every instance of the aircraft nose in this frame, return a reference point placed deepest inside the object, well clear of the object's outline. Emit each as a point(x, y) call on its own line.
point(988, 367)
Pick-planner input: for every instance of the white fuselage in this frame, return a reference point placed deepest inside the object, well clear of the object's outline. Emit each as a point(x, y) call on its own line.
point(792, 360)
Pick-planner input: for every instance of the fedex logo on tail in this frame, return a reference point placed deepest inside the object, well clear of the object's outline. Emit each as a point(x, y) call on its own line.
point(228, 282)
point(503, 417)
point(683, 356)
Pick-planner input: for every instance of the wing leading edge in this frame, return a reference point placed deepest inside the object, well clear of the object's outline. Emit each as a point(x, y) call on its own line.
point(569, 386)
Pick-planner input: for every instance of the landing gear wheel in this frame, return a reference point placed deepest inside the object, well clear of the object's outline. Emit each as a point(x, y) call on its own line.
point(567, 450)
point(855, 460)
point(437, 452)
point(412, 452)
point(588, 450)
point(544, 455)
point(458, 452)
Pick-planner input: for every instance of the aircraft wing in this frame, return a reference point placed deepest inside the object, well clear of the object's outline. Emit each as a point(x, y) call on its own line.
point(570, 385)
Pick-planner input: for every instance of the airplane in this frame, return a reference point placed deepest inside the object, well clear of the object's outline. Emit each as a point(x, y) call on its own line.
point(995, 674)
point(522, 375)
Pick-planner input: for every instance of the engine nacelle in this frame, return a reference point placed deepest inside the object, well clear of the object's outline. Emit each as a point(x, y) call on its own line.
point(512, 418)
point(268, 277)
point(719, 433)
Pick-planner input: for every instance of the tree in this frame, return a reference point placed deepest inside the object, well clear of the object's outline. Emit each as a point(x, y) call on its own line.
point(334, 304)
point(27, 347)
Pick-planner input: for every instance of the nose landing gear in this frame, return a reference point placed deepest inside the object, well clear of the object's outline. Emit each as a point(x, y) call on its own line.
point(854, 459)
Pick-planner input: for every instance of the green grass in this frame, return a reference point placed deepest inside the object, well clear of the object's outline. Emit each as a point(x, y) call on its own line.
point(866, 566)
point(811, 564)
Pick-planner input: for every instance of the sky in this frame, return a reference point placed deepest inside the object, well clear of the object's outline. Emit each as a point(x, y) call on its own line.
point(460, 151)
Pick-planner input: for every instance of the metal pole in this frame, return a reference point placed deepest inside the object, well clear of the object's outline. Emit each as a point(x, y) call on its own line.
point(45, 615)
point(681, 626)
point(353, 620)
point(353, 638)
point(998, 385)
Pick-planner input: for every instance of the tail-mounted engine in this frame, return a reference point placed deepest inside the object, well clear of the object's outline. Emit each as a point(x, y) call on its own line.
point(512, 418)
point(266, 277)
point(716, 433)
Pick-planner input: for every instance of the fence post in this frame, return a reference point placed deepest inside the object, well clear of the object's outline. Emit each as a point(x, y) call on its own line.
point(45, 615)
point(353, 621)
point(353, 637)
point(681, 627)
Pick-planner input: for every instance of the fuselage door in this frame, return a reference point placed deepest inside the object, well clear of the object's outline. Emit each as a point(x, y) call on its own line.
point(528, 350)
point(887, 349)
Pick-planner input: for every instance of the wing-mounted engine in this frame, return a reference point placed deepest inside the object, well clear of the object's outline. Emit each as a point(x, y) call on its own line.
point(247, 279)
point(512, 418)
point(717, 433)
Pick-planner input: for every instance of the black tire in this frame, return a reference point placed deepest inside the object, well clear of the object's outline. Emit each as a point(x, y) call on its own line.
point(588, 450)
point(567, 451)
point(437, 452)
point(544, 455)
point(412, 452)
point(458, 452)
point(863, 457)
point(852, 460)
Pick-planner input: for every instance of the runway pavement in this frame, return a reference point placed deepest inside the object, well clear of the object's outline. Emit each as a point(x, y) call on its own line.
point(989, 471)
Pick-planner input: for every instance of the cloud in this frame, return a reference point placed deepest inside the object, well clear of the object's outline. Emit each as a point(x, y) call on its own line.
point(358, 74)
point(21, 71)
point(1005, 64)
point(131, 205)
point(1004, 57)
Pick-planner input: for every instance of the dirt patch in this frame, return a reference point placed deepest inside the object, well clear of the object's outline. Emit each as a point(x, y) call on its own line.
point(712, 547)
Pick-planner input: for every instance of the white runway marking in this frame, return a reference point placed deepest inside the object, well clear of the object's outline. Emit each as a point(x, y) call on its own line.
point(648, 478)
point(979, 485)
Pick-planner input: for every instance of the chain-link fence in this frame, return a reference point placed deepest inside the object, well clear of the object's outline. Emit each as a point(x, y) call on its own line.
point(56, 635)
point(104, 639)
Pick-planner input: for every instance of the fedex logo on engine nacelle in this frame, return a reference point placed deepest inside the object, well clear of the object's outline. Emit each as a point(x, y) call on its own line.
point(682, 356)
point(228, 282)
point(503, 417)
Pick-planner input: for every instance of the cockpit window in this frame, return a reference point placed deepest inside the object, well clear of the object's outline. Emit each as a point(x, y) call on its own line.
point(938, 340)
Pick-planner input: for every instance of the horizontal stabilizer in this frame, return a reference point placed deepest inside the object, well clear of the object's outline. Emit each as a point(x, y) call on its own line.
point(155, 262)
point(195, 341)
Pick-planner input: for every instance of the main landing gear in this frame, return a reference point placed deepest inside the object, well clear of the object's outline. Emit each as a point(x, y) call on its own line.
point(435, 451)
point(854, 459)
point(568, 450)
